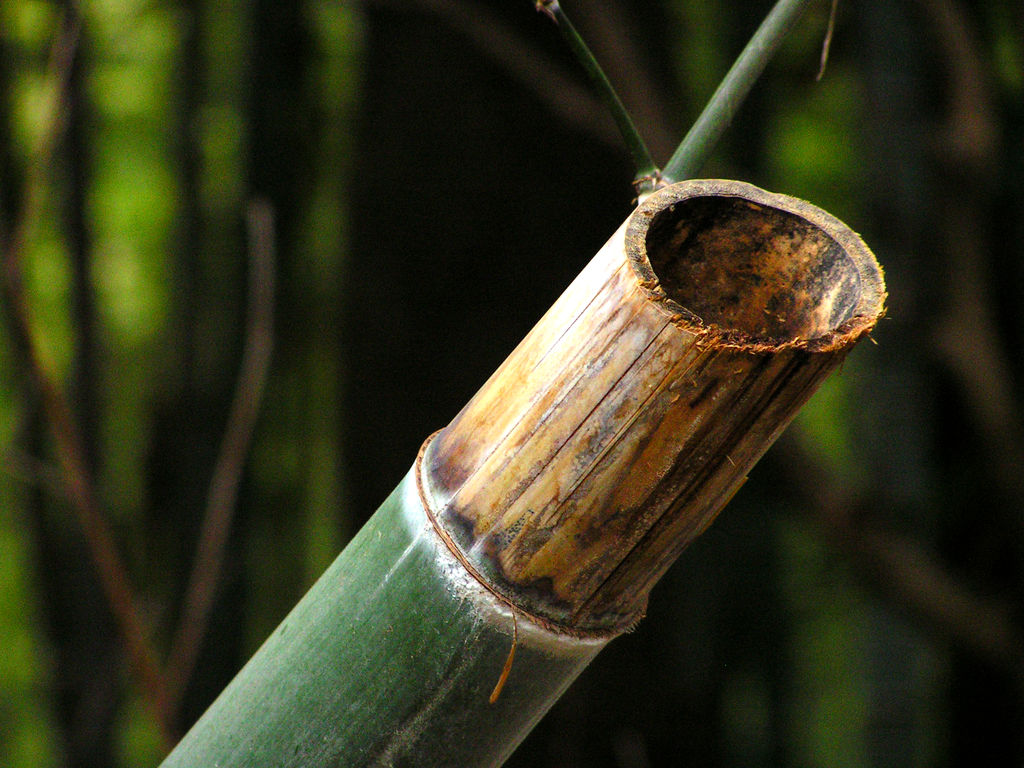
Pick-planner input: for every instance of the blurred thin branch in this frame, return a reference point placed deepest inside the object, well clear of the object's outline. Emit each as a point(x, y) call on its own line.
point(971, 133)
point(967, 338)
point(905, 571)
point(826, 44)
point(59, 70)
point(30, 470)
point(77, 477)
point(524, 62)
point(916, 579)
point(227, 474)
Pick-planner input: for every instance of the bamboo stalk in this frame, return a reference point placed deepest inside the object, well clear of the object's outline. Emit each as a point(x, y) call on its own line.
point(633, 411)
point(390, 659)
point(540, 518)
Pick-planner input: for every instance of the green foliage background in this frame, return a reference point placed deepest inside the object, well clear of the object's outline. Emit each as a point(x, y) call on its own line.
point(437, 179)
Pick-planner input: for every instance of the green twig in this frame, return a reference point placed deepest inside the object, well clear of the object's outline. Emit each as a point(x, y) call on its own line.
point(647, 173)
point(691, 154)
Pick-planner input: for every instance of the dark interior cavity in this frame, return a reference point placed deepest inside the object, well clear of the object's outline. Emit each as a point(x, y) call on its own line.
point(750, 270)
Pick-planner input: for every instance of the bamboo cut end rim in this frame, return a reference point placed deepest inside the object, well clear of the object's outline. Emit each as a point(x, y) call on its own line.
point(753, 270)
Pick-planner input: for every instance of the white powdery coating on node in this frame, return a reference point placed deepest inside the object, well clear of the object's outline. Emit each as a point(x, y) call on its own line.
point(464, 586)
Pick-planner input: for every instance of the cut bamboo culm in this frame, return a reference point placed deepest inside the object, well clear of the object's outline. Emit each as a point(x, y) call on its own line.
point(540, 518)
point(633, 411)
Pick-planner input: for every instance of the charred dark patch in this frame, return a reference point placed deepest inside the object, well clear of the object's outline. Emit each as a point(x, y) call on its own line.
point(460, 527)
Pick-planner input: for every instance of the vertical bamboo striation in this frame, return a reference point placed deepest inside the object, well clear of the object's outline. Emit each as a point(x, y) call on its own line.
point(632, 412)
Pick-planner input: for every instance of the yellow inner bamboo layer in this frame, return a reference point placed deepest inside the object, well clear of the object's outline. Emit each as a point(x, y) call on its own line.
point(627, 418)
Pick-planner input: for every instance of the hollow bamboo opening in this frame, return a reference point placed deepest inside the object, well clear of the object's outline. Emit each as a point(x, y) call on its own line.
point(756, 269)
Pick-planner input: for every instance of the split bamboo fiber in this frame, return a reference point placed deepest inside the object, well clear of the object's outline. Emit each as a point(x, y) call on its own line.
point(629, 416)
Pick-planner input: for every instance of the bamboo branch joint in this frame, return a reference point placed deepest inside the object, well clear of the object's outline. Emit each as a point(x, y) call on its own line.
point(627, 418)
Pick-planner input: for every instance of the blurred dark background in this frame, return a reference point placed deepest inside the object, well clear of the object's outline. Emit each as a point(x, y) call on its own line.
point(438, 172)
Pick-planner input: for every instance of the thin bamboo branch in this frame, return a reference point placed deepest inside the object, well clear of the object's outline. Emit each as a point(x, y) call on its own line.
point(63, 427)
point(647, 173)
point(919, 583)
point(616, 36)
point(701, 139)
point(227, 474)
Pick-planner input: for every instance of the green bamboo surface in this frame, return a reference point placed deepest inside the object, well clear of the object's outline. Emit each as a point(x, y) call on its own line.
point(389, 660)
